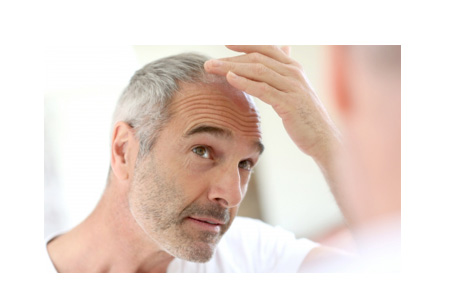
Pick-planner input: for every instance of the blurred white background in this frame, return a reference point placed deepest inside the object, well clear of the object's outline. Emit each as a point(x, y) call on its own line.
point(82, 87)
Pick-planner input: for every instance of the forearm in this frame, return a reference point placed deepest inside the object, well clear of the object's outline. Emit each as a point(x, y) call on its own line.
point(268, 73)
point(326, 159)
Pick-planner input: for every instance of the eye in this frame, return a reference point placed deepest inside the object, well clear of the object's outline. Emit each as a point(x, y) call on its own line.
point(246, 165)
point(202, 151)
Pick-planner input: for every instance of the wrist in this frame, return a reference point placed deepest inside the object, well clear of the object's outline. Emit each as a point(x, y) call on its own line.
point(326, 150)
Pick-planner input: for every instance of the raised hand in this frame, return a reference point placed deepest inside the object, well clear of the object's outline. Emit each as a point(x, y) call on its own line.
point(268, 73)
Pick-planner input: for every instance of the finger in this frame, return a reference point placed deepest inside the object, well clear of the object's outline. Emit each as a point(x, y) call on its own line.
point(253, 71)
point(273, 52)
point(286, 50)
point(259, 90)
point(281, 68)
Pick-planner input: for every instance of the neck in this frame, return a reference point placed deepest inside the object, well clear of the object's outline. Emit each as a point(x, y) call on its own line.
point(109, 240)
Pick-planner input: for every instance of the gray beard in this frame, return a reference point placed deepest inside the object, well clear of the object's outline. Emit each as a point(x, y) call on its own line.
point(157, 209)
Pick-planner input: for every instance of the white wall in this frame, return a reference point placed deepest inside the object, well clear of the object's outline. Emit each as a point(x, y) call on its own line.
point(293, 191)
point(83, 85)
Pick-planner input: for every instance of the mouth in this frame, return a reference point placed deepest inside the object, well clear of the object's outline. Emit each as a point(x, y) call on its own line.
point(211, 224)
point(212, 221)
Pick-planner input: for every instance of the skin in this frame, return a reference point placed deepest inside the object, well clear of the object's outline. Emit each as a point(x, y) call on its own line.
point(268, 73)
point(367, 96)
point(154, 209)
point(133, 220)
point(364, 172)
point(207, 183)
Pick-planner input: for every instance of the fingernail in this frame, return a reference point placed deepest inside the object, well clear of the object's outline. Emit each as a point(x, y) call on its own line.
point(232, 75)
point(216, 63)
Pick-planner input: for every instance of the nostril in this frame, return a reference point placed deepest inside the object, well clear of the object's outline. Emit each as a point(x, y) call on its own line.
point(222, 202)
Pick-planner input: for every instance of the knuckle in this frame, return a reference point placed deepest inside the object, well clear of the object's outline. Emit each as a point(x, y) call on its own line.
point(260, 69)
point(298, 87)
point(255, 57)
point(264, 88)
point(261, 90)
point(297, 64)
point(297, 72)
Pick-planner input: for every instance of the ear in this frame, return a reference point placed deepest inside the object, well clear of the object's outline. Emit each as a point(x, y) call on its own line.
point(339, 79)
point(124, 150)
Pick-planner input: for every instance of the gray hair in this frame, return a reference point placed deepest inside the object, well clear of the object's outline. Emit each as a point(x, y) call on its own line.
point(144, 102)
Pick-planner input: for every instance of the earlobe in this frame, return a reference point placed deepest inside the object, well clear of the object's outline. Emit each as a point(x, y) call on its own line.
point(121, 150)
point(339, 79)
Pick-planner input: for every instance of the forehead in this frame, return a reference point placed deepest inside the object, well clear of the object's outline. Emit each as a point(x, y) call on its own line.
point(216, 104)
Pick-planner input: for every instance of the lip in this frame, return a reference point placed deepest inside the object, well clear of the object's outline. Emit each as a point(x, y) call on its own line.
point(201, 224)
point(208, 220)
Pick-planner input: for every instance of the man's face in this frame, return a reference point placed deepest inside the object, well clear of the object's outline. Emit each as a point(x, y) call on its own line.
point(186, 192)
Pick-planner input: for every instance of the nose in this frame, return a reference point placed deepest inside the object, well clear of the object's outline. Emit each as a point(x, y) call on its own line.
point(226, 187)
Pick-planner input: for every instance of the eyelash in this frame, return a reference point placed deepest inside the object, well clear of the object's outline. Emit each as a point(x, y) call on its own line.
point(208, 149)
point(250, 167)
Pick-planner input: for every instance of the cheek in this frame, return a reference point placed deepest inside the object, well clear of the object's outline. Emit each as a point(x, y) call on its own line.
point(193, 179)
point(154, 187)
point(193, 169)
point(193, 166)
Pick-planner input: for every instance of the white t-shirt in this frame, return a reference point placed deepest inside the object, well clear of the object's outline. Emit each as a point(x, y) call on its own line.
point(248, 246)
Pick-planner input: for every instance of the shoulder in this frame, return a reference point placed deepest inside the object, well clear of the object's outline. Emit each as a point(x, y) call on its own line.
point(245, 224)
point(49, 267)
point(254, 232)
point(251, 245)
point(264, 248)
point(254, 227)
point(249, 234)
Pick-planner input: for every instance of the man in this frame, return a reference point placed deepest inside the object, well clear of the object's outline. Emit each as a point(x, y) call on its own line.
point(366, 82)
point(184, 142)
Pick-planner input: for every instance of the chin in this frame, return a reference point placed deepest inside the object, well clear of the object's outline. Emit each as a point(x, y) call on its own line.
point(198, 252)
point(200, 258)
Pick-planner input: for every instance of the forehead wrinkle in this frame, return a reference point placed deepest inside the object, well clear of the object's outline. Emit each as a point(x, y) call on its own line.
point(197, 110)
point(243, 130)
point(206, 99)
point(247, 117)
point(217, 131)
point(228, 116)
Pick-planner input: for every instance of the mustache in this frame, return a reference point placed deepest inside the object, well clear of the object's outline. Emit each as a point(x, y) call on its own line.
point(213, 210)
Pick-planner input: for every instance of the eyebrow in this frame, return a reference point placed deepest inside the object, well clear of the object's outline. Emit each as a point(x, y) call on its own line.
point(218, 132)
